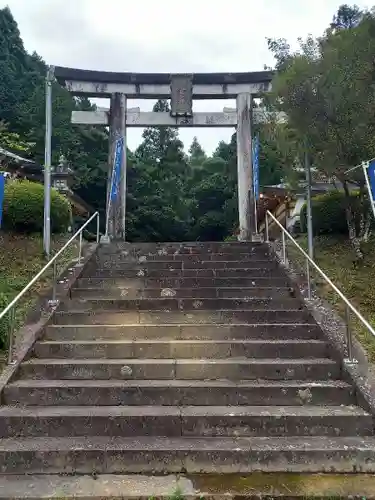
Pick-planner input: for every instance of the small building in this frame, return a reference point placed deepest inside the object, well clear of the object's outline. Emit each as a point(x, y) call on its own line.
point(291, 200)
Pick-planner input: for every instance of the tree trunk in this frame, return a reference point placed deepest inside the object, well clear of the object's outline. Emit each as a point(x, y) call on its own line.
point(351, 222)
point(353, 238)
point(367, 229)
point(365, 216)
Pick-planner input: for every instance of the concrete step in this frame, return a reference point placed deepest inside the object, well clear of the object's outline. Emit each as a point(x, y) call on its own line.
point(249, 272)
point(174, 304)
point(181, 317)
point(186, 369)
point(260, 254)
point(173, 265)
point(178, 392)
point(264, 331)
point(188, 248)
point(118, 292)
point(101, 455)
point(197, 282)
point(249, 486)
point(166, 348)
point(191, 421)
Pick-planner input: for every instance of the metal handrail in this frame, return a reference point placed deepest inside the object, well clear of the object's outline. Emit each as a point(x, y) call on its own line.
point(11, 306)
point(309, 262)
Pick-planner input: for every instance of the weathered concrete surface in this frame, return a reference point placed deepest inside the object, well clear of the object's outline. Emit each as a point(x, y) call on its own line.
point(106, 487)
point(192, 421)
point(117, 130)
point(197, 282)
point(219, 331)
point(163, 91)
point(174, 304)
point(178, 392)
point(185, 369)
point(103, 259)
point(137, 118)
point(136, 455)
point(258, 316)
point(216, 368)
point(189, 264)
point(159, 349)
point(143, 272)
point(187, 248)
point(193, 487)
point(119, 292)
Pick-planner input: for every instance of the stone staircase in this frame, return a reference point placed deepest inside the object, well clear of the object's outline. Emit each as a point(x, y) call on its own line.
point(181, 358)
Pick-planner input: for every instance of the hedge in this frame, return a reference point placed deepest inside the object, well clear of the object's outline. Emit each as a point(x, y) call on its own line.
point(24, 208)
point(328, 213)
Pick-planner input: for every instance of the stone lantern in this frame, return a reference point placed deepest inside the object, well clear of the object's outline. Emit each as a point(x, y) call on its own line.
point(62, 176)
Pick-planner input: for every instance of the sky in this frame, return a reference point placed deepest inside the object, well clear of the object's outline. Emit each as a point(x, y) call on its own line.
point(168, 36)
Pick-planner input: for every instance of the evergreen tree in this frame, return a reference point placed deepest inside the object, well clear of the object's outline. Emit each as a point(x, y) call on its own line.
point(22, 110)
point(13, 67)
point(197, 154)
point(160, 144)
point(158, 205)
point(346, 17)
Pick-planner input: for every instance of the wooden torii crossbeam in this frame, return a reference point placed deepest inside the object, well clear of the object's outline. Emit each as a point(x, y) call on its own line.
point(181, 89)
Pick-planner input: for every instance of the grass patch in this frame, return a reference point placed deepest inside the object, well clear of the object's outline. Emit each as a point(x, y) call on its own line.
point(357, 281)
point(21, 258)
point(286, 484)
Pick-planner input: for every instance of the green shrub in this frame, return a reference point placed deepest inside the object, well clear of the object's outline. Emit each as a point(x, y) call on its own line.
point(24, 208)
point(328, 213)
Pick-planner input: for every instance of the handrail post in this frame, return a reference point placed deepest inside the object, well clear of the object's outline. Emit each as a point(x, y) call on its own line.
point(53, 302)
point(349, 338)
point(80, 248)
point(12, 325)
point(267, 228)
point(308, 279)
point(284, 247)
point(97, 228)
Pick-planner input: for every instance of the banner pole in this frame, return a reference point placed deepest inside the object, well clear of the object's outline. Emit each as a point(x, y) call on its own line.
point(47, 162)
point(255, 156)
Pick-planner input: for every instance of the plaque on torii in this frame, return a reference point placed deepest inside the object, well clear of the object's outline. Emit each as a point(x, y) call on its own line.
point(181, 95)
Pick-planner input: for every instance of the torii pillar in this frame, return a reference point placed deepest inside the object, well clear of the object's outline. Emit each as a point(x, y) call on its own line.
point(117, 130)
point(246, 207)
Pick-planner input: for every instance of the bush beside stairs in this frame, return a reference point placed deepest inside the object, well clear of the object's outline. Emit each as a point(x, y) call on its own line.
point(179, 359)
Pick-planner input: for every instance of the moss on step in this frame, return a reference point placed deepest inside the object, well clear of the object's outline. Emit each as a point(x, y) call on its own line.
point(286, 484)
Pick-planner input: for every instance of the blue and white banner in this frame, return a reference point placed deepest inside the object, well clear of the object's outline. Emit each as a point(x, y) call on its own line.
point(371, 177)
point(119, 151)
point(369, 171)
point(2, 191)
point(256, 147)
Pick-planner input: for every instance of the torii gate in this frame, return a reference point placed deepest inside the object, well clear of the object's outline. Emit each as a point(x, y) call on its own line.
point(181, 89)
